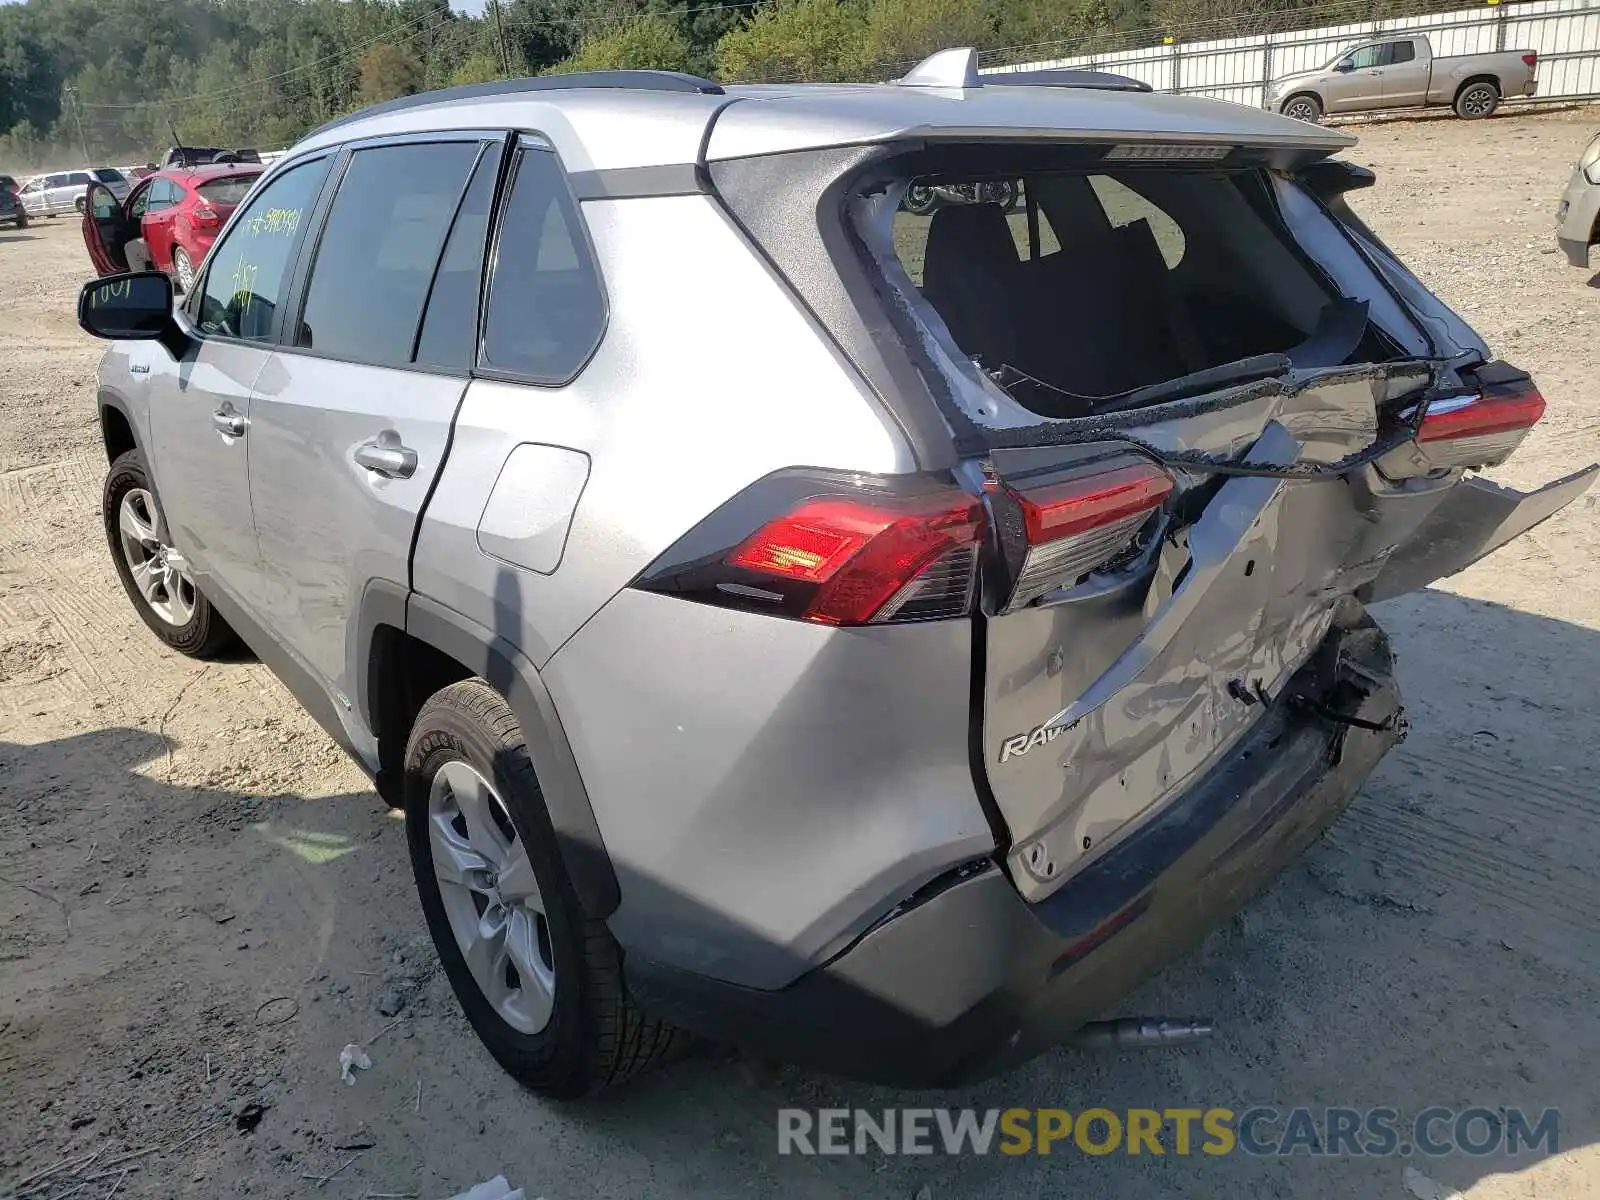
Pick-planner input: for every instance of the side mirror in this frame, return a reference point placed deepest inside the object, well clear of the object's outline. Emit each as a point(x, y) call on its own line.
point(1344, 65)
point(132, 307)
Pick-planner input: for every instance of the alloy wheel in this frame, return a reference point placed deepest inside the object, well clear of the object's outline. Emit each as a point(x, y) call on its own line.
point(1302, 110)
point(184, 268)
point(1478, 101)
point(159, 571)
point(491, 896)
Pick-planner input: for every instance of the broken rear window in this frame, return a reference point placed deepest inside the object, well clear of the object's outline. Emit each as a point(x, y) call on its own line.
point(1077, 291)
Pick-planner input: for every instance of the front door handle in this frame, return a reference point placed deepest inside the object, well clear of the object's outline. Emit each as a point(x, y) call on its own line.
point(385, 455)
point(229, 422)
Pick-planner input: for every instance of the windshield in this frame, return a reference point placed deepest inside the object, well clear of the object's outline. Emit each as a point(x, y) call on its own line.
point(1088, 292)
point(230, 189)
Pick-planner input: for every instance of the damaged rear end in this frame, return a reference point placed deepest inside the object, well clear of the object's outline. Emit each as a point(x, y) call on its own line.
point(1207, 414)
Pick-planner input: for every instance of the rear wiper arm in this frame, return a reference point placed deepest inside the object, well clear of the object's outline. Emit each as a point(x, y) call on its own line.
point(1340, 327)
point(1243, 370)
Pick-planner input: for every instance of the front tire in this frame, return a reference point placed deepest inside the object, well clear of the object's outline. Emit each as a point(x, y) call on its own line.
point(1304, 107)
point(539, 980)
point(1477, 101)
point(154, 574)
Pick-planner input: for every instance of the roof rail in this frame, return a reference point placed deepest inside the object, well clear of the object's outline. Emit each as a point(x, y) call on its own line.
point(645, 81)
point(958, 68)
point(1068, 78)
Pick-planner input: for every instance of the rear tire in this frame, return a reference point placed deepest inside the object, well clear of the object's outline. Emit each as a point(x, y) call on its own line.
point(182, 268)
point(1477, 101)
point(579, 1030)
point(81, 204)
point(920, 200)
point(173, 608)
point(1304, 107)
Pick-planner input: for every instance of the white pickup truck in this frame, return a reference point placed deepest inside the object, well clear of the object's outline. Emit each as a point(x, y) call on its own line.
point(1402, 72)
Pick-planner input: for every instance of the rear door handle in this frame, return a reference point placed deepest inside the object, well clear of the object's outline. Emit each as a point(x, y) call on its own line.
point(229, 422)
point(385, 455)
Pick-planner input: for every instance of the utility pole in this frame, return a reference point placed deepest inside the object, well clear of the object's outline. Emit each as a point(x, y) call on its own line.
point(500, 39)
point(77, 114)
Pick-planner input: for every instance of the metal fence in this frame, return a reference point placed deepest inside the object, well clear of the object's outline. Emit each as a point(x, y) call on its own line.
point(1566, 34)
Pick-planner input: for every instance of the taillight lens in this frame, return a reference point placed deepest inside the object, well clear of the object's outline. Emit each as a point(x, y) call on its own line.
point(832, 555)
point(205, 214)
point(1079, 523)
point(1480, 430)
point(1530, 59)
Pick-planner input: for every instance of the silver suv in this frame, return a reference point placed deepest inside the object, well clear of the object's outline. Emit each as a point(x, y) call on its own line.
point(877, 639)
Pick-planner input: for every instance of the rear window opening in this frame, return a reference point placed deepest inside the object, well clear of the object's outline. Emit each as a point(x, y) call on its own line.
point(1086, 291)
point(229, 189)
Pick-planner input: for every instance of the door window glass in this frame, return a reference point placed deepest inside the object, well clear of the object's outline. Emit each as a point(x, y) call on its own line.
point(79, 179)
point(546, 308)
point(377, 252)
point(450, 328)
point(246, 272)
point(1401, 52)
point(1367, 56)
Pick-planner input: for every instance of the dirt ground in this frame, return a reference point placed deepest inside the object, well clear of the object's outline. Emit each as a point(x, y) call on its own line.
point(201, 902)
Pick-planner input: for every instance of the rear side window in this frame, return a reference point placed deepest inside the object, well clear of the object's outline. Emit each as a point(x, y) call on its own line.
point(109, 175)
point(79, 177)
point(377, 252)
point(230, 189)
point(1401, 52)
point(546, 308)
point(245, 273)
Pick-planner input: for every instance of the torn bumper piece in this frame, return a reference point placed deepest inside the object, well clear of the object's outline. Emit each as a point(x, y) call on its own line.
point(967, 979)
point(1474, 520)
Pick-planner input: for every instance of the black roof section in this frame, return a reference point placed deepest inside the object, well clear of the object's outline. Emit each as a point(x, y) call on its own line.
point(1065, 77)
point(645, 81)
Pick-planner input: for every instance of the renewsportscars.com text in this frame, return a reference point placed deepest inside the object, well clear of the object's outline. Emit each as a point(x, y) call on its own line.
point(1180, 1131)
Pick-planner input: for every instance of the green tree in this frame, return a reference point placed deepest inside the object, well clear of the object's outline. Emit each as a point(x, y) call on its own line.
point(796, 39)
point(387, 71)
point(900, 33)
point(642, 44)
point(476, 68)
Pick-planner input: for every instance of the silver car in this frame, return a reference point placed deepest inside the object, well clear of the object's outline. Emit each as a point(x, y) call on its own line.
point(1578, 214)
point(876, 639)
point(63, 192)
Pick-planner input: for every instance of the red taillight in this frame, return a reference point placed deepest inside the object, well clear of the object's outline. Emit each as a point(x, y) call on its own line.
point(1497, 410)
point(1477, 431)
point(1076, 506)
point(1081, 523)
point(868, 559)
point(1531, 60)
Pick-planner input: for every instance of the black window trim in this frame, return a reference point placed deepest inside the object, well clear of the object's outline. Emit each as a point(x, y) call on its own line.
point(273, 336)
point(530, 140)
point(300, 270)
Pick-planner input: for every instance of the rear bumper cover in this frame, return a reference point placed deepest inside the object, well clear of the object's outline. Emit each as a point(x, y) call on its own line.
point(966, 979)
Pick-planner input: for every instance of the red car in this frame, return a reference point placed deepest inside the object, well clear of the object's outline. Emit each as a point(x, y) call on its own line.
point(178, 212)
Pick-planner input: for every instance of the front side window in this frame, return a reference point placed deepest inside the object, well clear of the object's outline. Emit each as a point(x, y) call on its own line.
point(546, 307)
point(376, 256)
point(1367, 56)
point(246, 274)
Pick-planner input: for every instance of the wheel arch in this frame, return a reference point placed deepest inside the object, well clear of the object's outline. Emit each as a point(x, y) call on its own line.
point(117, 431)
point(1305, 93)
point(410, 649)
point(1493, 80)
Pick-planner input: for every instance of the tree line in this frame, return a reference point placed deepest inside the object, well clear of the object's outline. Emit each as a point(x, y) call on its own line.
point(118, 80)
